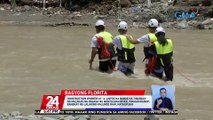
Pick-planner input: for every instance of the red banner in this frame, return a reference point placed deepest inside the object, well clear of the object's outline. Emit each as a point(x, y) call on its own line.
point(102, 92)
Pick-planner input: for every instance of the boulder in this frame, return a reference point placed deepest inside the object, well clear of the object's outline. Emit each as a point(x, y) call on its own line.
point(49, 118)
point(2, 9)
point(70, 118)
point(27, 7)
point(15, 113)
point(151, 117)
point(82, 118)
point(134, 1)
point(183, 24)
point(1, 116)
point(125, 3)
point(207, 2)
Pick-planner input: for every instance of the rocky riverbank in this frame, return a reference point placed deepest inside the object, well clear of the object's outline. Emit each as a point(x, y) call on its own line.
point(137, 16)
point(16, 115)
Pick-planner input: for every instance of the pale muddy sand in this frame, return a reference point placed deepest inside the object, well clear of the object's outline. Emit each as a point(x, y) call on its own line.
point(44, 60)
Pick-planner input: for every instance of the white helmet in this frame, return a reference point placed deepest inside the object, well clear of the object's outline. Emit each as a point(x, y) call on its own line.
point(123, 25)
point(100, 22)
point(153, 23)
point(159, 29)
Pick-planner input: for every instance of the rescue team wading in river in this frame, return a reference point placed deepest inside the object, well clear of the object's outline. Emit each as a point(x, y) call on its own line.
point(157, 50)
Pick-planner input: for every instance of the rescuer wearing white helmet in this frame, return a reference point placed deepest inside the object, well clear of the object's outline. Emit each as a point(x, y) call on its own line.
point(125, 50)
point(100, 45)
point(147, 39)
point(163, 48)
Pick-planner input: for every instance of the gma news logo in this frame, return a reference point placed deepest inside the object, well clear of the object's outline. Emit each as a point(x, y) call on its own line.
point(190, 14)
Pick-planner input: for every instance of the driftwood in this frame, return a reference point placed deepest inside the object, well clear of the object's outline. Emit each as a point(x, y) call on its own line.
point(66, 24)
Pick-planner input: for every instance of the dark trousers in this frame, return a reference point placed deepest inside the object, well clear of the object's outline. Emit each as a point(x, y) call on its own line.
point(168, 72)
point(106, 66)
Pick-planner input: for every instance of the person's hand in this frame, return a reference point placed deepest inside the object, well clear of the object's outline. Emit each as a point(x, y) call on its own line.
point(164, 109)
point(90, 61)
point(129, 37)
point(159, 102)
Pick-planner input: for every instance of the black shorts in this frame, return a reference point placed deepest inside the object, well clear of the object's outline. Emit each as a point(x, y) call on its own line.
point(107, 65)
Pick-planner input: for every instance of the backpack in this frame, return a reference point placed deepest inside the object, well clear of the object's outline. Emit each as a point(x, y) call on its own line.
point(104, 51)
point(151, 65)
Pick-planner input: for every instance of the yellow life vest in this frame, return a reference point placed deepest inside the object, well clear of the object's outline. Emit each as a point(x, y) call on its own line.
point(105, 51)
point(108, 38)
point(152, 38)
point(126, 43)
point(167, 48)
point(126, 55)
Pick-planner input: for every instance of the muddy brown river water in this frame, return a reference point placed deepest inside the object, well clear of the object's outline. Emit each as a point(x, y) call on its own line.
point(44, 60)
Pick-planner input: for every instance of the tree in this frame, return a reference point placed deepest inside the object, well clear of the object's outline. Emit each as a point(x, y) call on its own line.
point(13, 4)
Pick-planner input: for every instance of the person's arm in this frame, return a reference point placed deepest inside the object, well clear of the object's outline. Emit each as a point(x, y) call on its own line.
point(143, 39)
point(110, 44)
point(93, 54)
point(158, 102)
point(133, 41)
point(116, 41)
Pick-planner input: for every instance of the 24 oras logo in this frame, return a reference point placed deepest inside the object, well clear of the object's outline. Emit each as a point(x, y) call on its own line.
point(50, 102)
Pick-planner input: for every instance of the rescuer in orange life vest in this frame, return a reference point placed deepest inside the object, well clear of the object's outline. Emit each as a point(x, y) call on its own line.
point(101, 44)
point(148, 40)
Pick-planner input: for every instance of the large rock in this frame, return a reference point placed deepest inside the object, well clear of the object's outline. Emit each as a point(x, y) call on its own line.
point(1, 116)
point(70, 118)
point(83, 117)
point(207, 2)
point(183, 24)
point(208, 21)
point(15, 113)
point(125, 3)
point(34, 117)
point(105, 119)
point(209, 13)
point(151, 117)
point(25, 118)
point(27, 7)
point(134, 1)
point(49, 118)
point(6, 115)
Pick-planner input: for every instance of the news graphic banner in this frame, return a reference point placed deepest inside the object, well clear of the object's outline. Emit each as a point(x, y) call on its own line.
point(98, 102)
